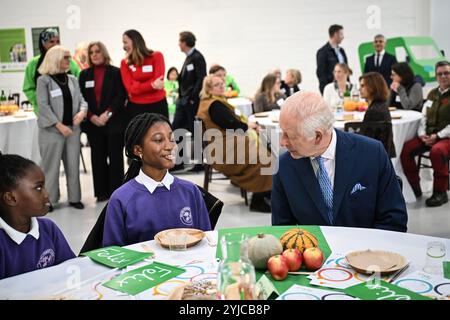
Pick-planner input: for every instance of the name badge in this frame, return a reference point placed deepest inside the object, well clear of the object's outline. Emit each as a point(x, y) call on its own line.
point(56, 93)
point(237, 112)
point(280, 102)
point(428, 104)
point(147, 68)
point(190, 67)
point(397, 99)
point(90, 84)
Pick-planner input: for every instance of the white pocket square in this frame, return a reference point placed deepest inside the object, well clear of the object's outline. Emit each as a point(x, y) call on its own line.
point(357, 187)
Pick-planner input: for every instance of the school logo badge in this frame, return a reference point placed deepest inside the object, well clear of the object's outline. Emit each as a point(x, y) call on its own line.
point(46, 259)
point(186, 216)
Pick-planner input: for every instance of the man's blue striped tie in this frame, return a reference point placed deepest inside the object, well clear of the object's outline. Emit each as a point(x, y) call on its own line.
point(325, 187)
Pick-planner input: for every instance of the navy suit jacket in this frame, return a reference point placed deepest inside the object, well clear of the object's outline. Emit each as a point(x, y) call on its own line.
point(326, 61)
point(384, 69)
point(297, 199)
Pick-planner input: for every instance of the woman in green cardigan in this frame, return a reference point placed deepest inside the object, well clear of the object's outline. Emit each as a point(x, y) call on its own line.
point(48, 38)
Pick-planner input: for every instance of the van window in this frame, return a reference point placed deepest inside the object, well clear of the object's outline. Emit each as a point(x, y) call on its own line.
point(424, 52)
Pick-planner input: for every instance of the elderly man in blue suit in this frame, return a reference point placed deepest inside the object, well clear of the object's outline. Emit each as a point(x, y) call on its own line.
point(332, 178)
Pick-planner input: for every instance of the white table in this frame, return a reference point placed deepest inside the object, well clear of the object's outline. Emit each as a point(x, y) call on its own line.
point(404, 129)
point(19, 135)
point(242, 104)
point(60, 281)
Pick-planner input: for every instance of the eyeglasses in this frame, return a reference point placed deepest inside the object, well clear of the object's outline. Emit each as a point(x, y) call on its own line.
point(443, 74)
point(219, 84)
point(67, 57)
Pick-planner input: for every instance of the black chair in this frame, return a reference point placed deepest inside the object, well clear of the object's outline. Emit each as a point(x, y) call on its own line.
point(378, 130)
point(95, 237)
point(209, 170)
point(421, 165)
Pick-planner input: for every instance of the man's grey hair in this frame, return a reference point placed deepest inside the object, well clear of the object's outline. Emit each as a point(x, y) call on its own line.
point(312, 112)
point(380, 36)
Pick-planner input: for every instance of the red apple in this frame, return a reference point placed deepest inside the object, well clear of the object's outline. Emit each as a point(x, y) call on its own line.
point(278, 267)
point(293, 259)
point(313, 258)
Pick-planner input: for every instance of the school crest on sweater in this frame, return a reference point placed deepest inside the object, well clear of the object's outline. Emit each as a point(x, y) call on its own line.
point(46, 259)
point(186, 216)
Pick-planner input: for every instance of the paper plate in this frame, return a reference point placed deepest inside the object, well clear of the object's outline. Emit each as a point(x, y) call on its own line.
point(392, 108)
point(396, 117)
point(194, 236)
point(262, 114)
point(387, 262)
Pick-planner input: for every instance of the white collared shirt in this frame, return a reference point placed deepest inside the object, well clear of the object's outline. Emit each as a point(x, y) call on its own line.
point(329, 161)
point(18, 236)
point(381, 58)
point(151, 184)
point(190, 51)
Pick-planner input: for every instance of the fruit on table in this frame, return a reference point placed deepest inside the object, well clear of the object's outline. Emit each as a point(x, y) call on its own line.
point(9, 108)
point(278, 267)
point(293, 259)
point(298, 238)
point(261, 248)
point(313, 258)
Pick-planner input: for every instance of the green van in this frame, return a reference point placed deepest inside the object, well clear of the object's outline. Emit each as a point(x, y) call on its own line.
point(421, 53)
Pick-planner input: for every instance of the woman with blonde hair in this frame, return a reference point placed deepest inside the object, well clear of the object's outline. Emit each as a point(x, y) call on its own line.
point(289, 85)
point(333, 94)
point(101, 86)
point(269, 96)
point(61, 110)
point(245, 169)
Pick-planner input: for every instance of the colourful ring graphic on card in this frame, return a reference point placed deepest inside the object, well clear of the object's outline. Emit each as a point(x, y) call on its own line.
point(344, 264)
point(300, 296)
point(445, 292)
point(334, 275)
point(415, 285)
point(165, 288)
point(189, 274)
point(338, 296)
point(204, 276)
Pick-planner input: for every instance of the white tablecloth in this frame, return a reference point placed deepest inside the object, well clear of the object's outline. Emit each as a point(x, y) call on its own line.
point(242, 104)
point(403, 129)
point(19, 135)
point(60, 281)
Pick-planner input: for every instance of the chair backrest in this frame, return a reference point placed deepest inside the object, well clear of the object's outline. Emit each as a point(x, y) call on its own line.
point(378, 130)
point(213, 205)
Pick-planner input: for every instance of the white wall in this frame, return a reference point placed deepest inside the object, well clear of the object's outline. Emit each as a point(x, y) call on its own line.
point(440, 10)
point(249, 37)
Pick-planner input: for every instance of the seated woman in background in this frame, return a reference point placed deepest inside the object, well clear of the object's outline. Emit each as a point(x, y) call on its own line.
point(172, 89)
point(102, 88)
point(230, 84)
point(243, 170)
point(269, 96)
point(152, 199)
point(374, 89)
point(27, 241)
point(289, 85)
point(333, 93)
point(406, 93)
point(61, 110)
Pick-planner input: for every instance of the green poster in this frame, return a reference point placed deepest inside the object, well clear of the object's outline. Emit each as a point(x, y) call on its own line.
point(116, 257)
point(13, 52)
point(144, 278)
point(446, 269)
point(382, 291)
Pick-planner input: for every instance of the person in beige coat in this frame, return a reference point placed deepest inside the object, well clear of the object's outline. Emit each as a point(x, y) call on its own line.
point(239, 156)
point(61, 110)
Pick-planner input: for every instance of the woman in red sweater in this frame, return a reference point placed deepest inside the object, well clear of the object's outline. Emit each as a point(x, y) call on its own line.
point(143, 76)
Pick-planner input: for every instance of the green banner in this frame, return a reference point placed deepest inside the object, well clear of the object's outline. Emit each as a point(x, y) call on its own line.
point(446, 266)
point(13, 52)
point(116, 257)
point(278, 231)
point(144, 278)
point(382, 290)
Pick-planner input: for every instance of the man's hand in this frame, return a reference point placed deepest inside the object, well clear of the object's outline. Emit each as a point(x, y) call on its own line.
point(65, 130)
point(431, 140)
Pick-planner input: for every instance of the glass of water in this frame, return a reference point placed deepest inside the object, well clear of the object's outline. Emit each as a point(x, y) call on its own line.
point(435, 258)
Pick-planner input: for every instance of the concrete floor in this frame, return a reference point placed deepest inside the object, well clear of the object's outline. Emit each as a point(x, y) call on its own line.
point(76, 224)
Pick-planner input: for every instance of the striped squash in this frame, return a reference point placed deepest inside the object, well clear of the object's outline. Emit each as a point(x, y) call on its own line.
point(298, 238)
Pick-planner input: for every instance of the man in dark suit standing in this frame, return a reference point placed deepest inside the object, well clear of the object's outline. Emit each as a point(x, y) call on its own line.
point(190, 84)
point(330, 177)
point(329, 55)
point(381, 61)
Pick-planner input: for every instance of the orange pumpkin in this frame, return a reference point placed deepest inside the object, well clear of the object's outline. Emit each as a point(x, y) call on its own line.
point(298, 238)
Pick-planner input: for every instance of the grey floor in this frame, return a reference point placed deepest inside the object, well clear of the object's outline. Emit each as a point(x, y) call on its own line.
point(76, 224)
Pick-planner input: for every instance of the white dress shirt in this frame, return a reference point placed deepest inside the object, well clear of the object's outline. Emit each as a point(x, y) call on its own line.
point(151, 184)
point(329, 161)
point(18, 236)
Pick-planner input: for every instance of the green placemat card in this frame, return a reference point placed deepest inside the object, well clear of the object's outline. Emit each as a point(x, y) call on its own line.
point(382, 291)
point(446, 266)
point(144, 278)
point(278, 231)
point(117, 257)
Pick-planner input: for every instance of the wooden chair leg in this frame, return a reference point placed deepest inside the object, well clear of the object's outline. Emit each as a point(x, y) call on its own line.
point(244, 195)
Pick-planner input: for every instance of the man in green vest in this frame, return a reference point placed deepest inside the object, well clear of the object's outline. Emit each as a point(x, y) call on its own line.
point(48, 38)
point(433, 136)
